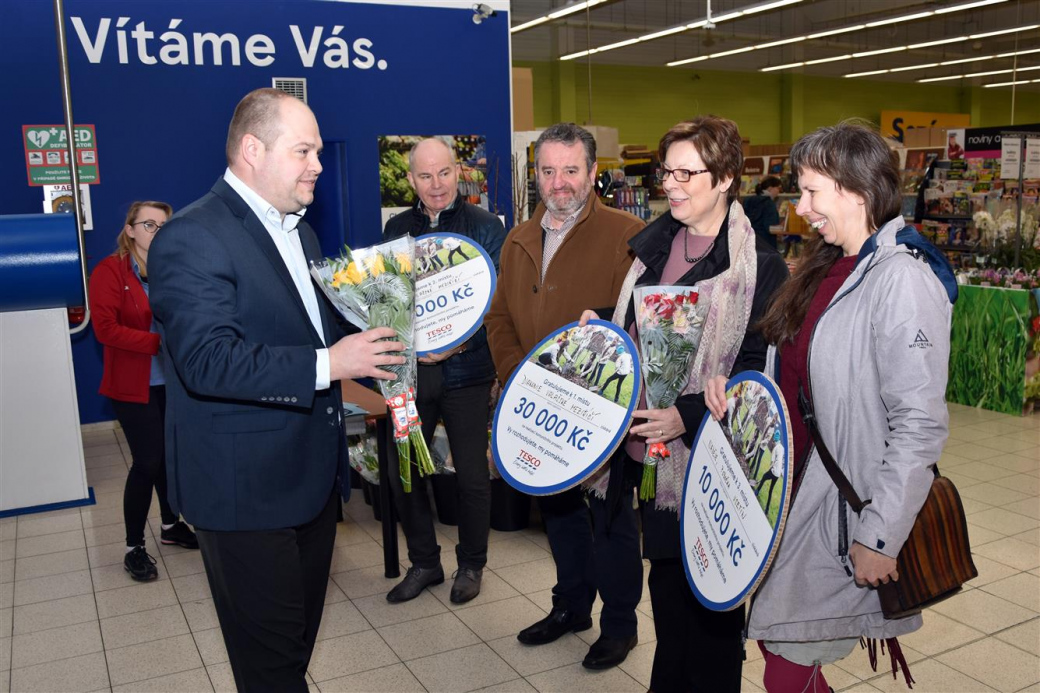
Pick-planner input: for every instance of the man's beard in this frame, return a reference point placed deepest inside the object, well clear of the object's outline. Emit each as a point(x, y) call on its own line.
point(576, 201)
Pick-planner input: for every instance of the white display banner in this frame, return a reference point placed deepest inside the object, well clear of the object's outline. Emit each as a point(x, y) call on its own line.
point(737, 492)
point(454, 283)
point(566, 408)
point(1010, 151)
point(1032, 168)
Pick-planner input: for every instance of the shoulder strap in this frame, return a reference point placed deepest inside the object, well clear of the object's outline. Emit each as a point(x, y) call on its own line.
point(833, 471)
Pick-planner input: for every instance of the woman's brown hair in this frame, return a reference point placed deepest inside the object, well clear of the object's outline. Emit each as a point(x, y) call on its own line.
point(124, 243)
point(717, 141)
point(858, 160)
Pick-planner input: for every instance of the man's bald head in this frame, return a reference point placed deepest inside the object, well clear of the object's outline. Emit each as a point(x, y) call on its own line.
point(257, 114)
point(433, 173)
point(428, 144)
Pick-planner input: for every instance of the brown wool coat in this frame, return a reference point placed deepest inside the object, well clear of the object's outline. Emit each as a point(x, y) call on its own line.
point(586, 272)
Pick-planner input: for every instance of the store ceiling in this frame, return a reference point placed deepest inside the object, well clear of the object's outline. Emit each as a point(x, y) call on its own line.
point(619, 20)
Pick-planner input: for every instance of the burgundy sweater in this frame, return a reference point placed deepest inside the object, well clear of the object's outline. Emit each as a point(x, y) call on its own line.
point(794, 356)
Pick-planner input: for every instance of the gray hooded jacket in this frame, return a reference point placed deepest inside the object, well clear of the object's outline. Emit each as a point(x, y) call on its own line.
point(878, 367)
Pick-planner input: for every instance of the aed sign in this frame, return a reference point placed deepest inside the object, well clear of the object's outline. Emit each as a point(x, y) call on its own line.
point(47, 154)
point(896, 123)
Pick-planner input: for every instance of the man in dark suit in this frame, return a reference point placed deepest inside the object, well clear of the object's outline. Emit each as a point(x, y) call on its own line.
point(255, 451)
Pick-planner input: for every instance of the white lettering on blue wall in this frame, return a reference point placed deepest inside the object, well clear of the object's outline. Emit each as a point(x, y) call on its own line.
point(201, 48)
point(337, 51)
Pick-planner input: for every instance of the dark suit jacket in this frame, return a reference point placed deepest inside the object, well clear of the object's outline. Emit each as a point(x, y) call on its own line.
point(250, 444)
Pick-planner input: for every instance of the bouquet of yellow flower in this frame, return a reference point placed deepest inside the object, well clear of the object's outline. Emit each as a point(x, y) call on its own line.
point(375, 287)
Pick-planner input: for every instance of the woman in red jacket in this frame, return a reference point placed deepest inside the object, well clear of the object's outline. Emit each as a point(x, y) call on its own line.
point(133, 380)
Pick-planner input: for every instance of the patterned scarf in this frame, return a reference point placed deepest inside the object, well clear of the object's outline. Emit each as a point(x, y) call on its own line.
point(728, 296)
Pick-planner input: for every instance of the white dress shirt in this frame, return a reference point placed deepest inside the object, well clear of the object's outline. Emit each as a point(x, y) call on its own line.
point(286, 238)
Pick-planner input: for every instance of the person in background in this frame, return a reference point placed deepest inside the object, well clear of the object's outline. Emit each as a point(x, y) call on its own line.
point(704, 240)
point(863, 330)
point(133, 381)
point(573, 253)
point(453, 385)
point(761, 210)
point(255, 445)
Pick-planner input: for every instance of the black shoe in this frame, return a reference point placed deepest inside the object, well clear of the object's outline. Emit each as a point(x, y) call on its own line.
point(140, 565)
point(414, 583)
point(467, 585)
point(608, 652)
point(559, 622)
point(181, 535)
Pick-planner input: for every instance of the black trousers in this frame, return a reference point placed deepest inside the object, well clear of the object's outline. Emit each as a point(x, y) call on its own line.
point(464, 411)
point(143, 426)
point(697, 649)
point(617, 388)
point(269, 592)
point(459, 251)
point(595, 550)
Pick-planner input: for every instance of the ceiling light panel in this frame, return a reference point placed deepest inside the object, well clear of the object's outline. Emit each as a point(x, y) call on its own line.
point(988, 73)
point(896, 49)
point(924, 66)
point(897, 20)
point(968, 6)
point(557, 14)
point(859, 27)
point(751, 9)
point(1011, 84)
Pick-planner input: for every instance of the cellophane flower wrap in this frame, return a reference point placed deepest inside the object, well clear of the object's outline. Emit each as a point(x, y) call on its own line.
point(375, 287)
point(363, 453)
point(669, 322)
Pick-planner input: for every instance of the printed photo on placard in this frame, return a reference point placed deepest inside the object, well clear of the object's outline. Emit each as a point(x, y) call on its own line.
point(557, 421)
point(395, 193)
point(737, 493)
point(455, 280)
point(594, 358)
point(436, 253)
point(753, 429)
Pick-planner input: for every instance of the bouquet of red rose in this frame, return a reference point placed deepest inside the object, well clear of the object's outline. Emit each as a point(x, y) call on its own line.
point(669, 324)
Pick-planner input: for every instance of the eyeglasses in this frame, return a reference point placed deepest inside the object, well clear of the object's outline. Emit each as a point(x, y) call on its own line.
point(149, 226)
point(681, 175)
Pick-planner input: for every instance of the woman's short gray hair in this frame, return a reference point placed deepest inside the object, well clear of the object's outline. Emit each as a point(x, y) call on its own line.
point(856, 157)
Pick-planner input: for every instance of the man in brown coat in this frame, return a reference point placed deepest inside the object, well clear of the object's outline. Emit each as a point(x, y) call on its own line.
point(571, 255)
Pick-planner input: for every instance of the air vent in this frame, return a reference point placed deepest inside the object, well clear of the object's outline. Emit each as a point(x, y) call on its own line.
point(297, 86)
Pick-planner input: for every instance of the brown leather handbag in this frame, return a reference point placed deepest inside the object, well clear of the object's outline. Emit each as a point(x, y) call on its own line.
point(935, 559)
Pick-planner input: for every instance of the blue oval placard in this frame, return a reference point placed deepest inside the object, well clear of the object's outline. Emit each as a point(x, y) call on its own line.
point(737, 492)
point(454, 281)
point(566, 408)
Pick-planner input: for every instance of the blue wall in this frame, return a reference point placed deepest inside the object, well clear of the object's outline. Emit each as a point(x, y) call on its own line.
point(161, 127)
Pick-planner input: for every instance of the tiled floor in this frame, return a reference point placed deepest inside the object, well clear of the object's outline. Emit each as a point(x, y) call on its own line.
point(71, 619)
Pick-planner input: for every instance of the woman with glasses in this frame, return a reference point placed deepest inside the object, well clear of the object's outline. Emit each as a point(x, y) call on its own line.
point(133, 380)
point(705, 239)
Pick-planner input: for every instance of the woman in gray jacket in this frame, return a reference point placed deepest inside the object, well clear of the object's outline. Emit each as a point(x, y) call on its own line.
point(863, 330)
